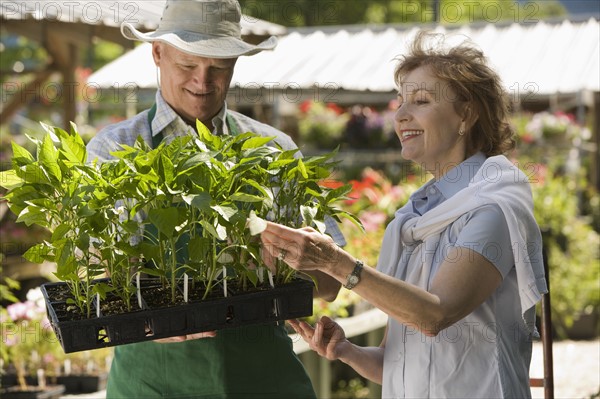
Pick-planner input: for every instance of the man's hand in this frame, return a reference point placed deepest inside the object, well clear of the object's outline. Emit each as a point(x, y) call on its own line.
point(189, 337)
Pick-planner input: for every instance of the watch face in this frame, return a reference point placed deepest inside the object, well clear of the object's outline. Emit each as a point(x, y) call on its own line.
point(352, 280)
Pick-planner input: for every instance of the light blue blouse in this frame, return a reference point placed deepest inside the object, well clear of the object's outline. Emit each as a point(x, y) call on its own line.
point(487, 353)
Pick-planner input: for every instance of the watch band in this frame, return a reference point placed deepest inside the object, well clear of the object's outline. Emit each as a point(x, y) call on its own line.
point(354, 278)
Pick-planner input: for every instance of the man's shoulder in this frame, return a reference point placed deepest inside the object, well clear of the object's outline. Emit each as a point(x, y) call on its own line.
point(110, 137)
point(127, 129)
point(247, 124)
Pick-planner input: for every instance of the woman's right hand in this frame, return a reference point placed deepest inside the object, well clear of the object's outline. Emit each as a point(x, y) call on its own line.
point(327, 338)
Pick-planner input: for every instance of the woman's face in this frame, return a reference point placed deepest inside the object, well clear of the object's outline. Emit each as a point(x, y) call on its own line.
point(427, 122)
point(195, 87)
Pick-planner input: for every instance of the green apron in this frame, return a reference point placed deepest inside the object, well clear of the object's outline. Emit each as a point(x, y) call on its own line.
point(246, 362)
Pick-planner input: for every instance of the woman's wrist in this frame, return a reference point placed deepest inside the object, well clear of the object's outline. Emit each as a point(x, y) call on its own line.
point(341, 264)
point(346, 349)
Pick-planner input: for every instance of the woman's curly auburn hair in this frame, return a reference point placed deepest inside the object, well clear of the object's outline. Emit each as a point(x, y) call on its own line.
point(465, 69)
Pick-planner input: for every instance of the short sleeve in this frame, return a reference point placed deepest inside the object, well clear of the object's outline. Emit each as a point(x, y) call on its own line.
point(486, 232)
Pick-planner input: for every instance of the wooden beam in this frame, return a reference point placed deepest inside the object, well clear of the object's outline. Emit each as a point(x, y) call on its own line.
point(75, 32)
point(24, 94)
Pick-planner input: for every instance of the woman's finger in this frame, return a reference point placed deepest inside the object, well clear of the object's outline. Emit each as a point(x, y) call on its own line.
point(268, 258)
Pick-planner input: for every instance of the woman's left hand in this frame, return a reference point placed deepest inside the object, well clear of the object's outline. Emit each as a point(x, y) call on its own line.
point(302, 249)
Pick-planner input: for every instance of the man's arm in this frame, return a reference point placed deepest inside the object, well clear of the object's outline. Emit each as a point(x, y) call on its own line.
point(327, 287)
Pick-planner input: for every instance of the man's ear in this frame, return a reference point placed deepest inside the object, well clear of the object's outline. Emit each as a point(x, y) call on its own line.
point(158, 52)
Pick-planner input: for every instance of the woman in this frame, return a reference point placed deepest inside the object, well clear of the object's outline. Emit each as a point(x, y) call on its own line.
point(460, 268)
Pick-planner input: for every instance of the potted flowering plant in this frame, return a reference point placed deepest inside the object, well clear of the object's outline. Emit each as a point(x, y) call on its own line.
point(27, 340)
point(33, 360)
point(181, 213)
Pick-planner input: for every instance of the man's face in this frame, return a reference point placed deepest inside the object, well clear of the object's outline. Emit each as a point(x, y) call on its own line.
point(195, 87)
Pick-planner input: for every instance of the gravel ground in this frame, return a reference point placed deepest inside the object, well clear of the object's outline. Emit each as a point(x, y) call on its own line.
point(576, 369)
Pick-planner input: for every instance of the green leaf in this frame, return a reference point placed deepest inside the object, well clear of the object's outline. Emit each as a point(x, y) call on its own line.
point(166, 169)
point(261, 152)
point(200, 158)
point(352, 218)
point(38, 253)
point(21, 156)
point(302, 169)
point(321, 227)
point(338, 193)
point(60, 231)
point(256, 224)
point(65, 259)
point(224, 258)
point(198, 249)
point(265, 191)
point(243, 197)
point(102, 289)
point(9, 180)
point(150, 251)
point(221, 232)
point(165, 220)
point(199, 201)
point(153, 272)
point(18, 199)
point(73, 149)
point(309, 214)
point(207, 137)
point(48, 158)
point(34, 174)
point(225, 211)
point(209, 228)
point(32, 215)
point(256, 142)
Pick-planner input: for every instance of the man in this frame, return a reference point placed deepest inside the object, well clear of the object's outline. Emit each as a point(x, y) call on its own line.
point(195, 48)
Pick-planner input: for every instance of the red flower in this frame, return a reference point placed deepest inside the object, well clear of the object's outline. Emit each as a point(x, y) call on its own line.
point(305, 106)
point(335, 108)
point(330, 183)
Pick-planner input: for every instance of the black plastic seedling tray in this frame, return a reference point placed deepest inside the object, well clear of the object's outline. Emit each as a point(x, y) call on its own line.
point(287, 301)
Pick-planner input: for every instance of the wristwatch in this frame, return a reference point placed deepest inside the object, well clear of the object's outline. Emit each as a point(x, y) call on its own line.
point(354, 278)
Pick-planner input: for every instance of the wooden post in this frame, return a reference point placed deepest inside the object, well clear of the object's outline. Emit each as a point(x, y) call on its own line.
point(70, 87)
point(374, 338)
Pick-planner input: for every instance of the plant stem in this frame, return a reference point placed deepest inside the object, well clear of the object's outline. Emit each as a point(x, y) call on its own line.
point(213, 267)
point(173, 268)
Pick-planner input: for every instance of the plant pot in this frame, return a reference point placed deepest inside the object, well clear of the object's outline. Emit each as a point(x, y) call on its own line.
point(73, 383)
point(286, 301)
point(48, 392)
point(83, 383)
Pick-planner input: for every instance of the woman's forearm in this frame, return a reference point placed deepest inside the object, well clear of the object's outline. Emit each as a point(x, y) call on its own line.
point(366, 361)
point(458, 287)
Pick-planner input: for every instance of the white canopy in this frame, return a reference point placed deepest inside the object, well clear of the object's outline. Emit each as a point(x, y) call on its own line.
point(533, 59)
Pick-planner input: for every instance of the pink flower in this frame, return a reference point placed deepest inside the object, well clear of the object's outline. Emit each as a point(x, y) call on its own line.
point(17, 311)
point(372, 220)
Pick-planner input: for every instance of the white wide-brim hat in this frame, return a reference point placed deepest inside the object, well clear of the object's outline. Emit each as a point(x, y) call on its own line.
point(206, 28)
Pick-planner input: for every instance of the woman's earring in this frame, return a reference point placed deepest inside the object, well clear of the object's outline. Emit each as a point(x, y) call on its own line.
point(461, 131)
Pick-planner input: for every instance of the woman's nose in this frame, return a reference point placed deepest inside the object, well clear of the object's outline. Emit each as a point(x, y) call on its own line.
point(401, 114)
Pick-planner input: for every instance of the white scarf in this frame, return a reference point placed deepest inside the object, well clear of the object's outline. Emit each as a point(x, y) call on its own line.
point(499, 182)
